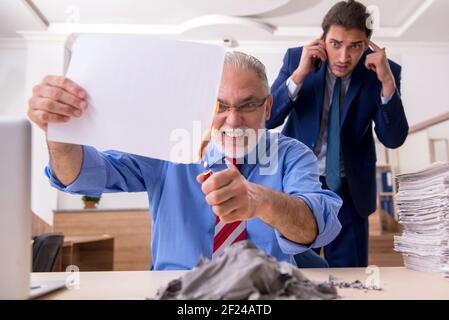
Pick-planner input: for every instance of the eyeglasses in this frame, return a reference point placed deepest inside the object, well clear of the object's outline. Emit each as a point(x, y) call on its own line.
point(245, 107)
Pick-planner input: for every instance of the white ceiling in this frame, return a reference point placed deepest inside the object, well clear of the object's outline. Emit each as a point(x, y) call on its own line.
point(267, 20)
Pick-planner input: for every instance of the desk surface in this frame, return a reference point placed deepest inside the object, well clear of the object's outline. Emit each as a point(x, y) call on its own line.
point(397, 283)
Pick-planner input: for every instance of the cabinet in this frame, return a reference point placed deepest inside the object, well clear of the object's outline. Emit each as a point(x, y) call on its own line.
point(130, 228)
point(88, 253)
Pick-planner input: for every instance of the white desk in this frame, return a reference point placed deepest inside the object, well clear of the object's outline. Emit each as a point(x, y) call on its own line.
point(397, 283)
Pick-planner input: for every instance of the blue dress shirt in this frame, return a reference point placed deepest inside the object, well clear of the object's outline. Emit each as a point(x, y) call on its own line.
point(182, 221)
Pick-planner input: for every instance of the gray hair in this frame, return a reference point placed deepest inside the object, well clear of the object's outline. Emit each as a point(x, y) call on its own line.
point(240, 60)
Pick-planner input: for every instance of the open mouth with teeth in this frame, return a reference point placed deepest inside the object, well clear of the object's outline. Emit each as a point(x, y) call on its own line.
point(235, 142)
point(232, 137)
point(237, 137)
point(233, 133)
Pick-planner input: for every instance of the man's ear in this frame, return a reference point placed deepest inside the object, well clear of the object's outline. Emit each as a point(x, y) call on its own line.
point(268, 107)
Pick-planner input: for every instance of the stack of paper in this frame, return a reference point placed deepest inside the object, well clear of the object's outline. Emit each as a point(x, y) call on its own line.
point(422, 204)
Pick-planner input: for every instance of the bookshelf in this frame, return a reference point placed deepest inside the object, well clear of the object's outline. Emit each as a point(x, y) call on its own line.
point(386, 189)
point(384, 219)
point(383, 222)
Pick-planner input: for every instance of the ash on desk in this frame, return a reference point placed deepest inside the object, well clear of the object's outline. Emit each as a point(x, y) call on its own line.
point(243, 272)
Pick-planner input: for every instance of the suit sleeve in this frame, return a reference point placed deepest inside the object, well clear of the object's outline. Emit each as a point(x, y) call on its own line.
point(391, 123)
point(282, 104)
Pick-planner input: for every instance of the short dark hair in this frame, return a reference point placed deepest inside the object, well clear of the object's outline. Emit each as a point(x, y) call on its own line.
point(348, 14)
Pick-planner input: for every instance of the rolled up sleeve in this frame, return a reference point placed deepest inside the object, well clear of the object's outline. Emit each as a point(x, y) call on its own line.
point(91, 179)
point(110, 171)
point(301, 179)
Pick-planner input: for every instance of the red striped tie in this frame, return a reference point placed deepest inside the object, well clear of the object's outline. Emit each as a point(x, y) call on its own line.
point(227, 234)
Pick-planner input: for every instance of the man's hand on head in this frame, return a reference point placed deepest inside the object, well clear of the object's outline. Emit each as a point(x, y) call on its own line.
point(378, 63)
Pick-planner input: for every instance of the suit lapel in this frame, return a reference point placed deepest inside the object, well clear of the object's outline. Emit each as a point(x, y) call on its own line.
point(319, 81)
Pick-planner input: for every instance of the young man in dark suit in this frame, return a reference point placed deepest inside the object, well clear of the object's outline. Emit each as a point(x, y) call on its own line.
point(332, 90)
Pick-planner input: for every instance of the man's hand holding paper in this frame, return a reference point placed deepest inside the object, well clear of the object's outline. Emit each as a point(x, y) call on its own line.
point(56, 100)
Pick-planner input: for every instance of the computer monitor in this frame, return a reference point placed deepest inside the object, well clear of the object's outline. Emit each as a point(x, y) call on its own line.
point(15, 208)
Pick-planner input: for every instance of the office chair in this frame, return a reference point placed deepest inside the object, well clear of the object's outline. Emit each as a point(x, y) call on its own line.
point(310, 259)
point(46, 250)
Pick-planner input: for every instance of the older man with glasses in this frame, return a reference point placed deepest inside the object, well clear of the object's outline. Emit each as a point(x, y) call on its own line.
point(259, 186)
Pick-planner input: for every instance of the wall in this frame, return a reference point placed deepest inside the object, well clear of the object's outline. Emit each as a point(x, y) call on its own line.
point(440, 146)
point(425, 91)
point(107, 201)
point(439, 131)
point(414, 155)
point(44, 56)
point(12, 77)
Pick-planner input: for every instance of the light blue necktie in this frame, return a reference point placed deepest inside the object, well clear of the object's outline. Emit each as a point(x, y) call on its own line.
point(333, 179)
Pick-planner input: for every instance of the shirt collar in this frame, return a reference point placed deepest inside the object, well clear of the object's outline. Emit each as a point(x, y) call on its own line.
point(333, 77)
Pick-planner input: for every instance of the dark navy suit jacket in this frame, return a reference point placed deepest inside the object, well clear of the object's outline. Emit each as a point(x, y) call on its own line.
point(362, 106)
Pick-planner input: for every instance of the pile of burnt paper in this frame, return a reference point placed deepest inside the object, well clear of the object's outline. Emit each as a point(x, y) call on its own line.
point(245, 272)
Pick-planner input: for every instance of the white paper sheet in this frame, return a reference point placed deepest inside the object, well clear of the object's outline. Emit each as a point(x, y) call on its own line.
point(147, 96)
